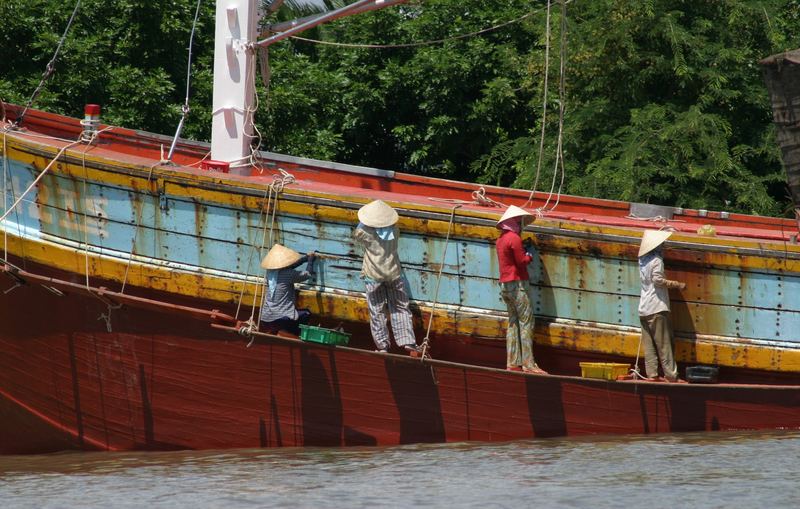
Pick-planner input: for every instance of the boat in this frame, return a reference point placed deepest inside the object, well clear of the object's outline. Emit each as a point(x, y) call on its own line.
point(131, 287)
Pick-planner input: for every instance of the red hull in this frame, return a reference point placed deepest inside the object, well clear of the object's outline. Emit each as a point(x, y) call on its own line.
point(168, 381)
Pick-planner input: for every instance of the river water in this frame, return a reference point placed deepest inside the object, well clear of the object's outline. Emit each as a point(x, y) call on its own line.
point(747, 470)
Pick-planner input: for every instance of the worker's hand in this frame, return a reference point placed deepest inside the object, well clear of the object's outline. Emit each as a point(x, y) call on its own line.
point(681, 286)
point(312, 254)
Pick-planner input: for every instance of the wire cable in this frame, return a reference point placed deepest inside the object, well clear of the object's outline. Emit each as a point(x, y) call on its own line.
point(51, 67)
point(421, 43)
point(185, 107)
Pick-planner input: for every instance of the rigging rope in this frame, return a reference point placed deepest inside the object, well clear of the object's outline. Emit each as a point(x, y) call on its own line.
point(185, 107)
point(559, 162)
point(421, 43)
point(426, 342)
point(51, 67)
point(251, 117)
point(562, 99)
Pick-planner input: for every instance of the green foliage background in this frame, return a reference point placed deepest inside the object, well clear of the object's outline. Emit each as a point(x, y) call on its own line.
point(664, 104)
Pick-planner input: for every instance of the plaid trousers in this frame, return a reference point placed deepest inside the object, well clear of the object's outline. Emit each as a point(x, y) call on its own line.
point(519, 335)
point(391, 294)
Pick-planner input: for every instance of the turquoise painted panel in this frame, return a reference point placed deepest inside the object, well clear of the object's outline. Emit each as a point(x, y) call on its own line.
point(481, 293)
point(751, 323)
point(586, 306)
point(586, 273)
point(19, 178)
point(754, 289)
point(211, 222)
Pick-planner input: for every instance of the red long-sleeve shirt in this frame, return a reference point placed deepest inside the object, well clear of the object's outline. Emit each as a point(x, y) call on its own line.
point(513, 259)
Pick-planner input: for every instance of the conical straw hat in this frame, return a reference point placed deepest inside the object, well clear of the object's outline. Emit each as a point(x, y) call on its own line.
point(280, 257)
point(377, 214)
point(651, 240)
point(514, 211)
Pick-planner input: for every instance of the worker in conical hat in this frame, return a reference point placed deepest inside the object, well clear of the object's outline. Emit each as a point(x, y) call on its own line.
point(279, 313)
point(377, 234)
point(654, 308)
point(514, 288)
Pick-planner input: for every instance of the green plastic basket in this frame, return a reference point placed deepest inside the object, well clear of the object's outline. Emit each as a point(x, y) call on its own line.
point(324, 336)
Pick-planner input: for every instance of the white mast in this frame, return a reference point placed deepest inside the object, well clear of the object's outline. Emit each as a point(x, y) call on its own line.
point(234, 86)
point(235, 47)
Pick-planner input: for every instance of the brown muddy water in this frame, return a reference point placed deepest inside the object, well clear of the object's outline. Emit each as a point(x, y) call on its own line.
point(726, 470)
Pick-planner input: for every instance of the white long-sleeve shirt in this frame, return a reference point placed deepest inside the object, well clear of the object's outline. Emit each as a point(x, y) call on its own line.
point(655, 287)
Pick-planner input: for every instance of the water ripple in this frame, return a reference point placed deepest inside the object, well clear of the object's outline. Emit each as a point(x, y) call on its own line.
point(703, 470)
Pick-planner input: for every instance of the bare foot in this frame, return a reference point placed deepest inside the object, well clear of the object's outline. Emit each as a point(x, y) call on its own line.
point(536, 369)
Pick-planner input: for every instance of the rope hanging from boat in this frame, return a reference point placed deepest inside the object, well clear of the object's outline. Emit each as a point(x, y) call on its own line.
point(86, 219)
point(263, 60)
point(426, 342)
point(544, 104)
point(5, 190)
point(185, 107)
point(252, 159)
point(634, 371)
point(277, 186)
point(562, 97)
point(265, 212)
point(50, 69)
point(88, 139)
point(266, 78)
point(269, 211)
point(138, 224)
point(8, 184)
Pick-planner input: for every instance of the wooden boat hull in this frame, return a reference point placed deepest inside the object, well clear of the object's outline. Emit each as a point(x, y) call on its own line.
point(164, 379)
point(116, 267)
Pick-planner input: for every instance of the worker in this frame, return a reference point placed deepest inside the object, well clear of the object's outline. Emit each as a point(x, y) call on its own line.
point(514, 285)
point(377, 234)
point(279, 314)
point(654, 312)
